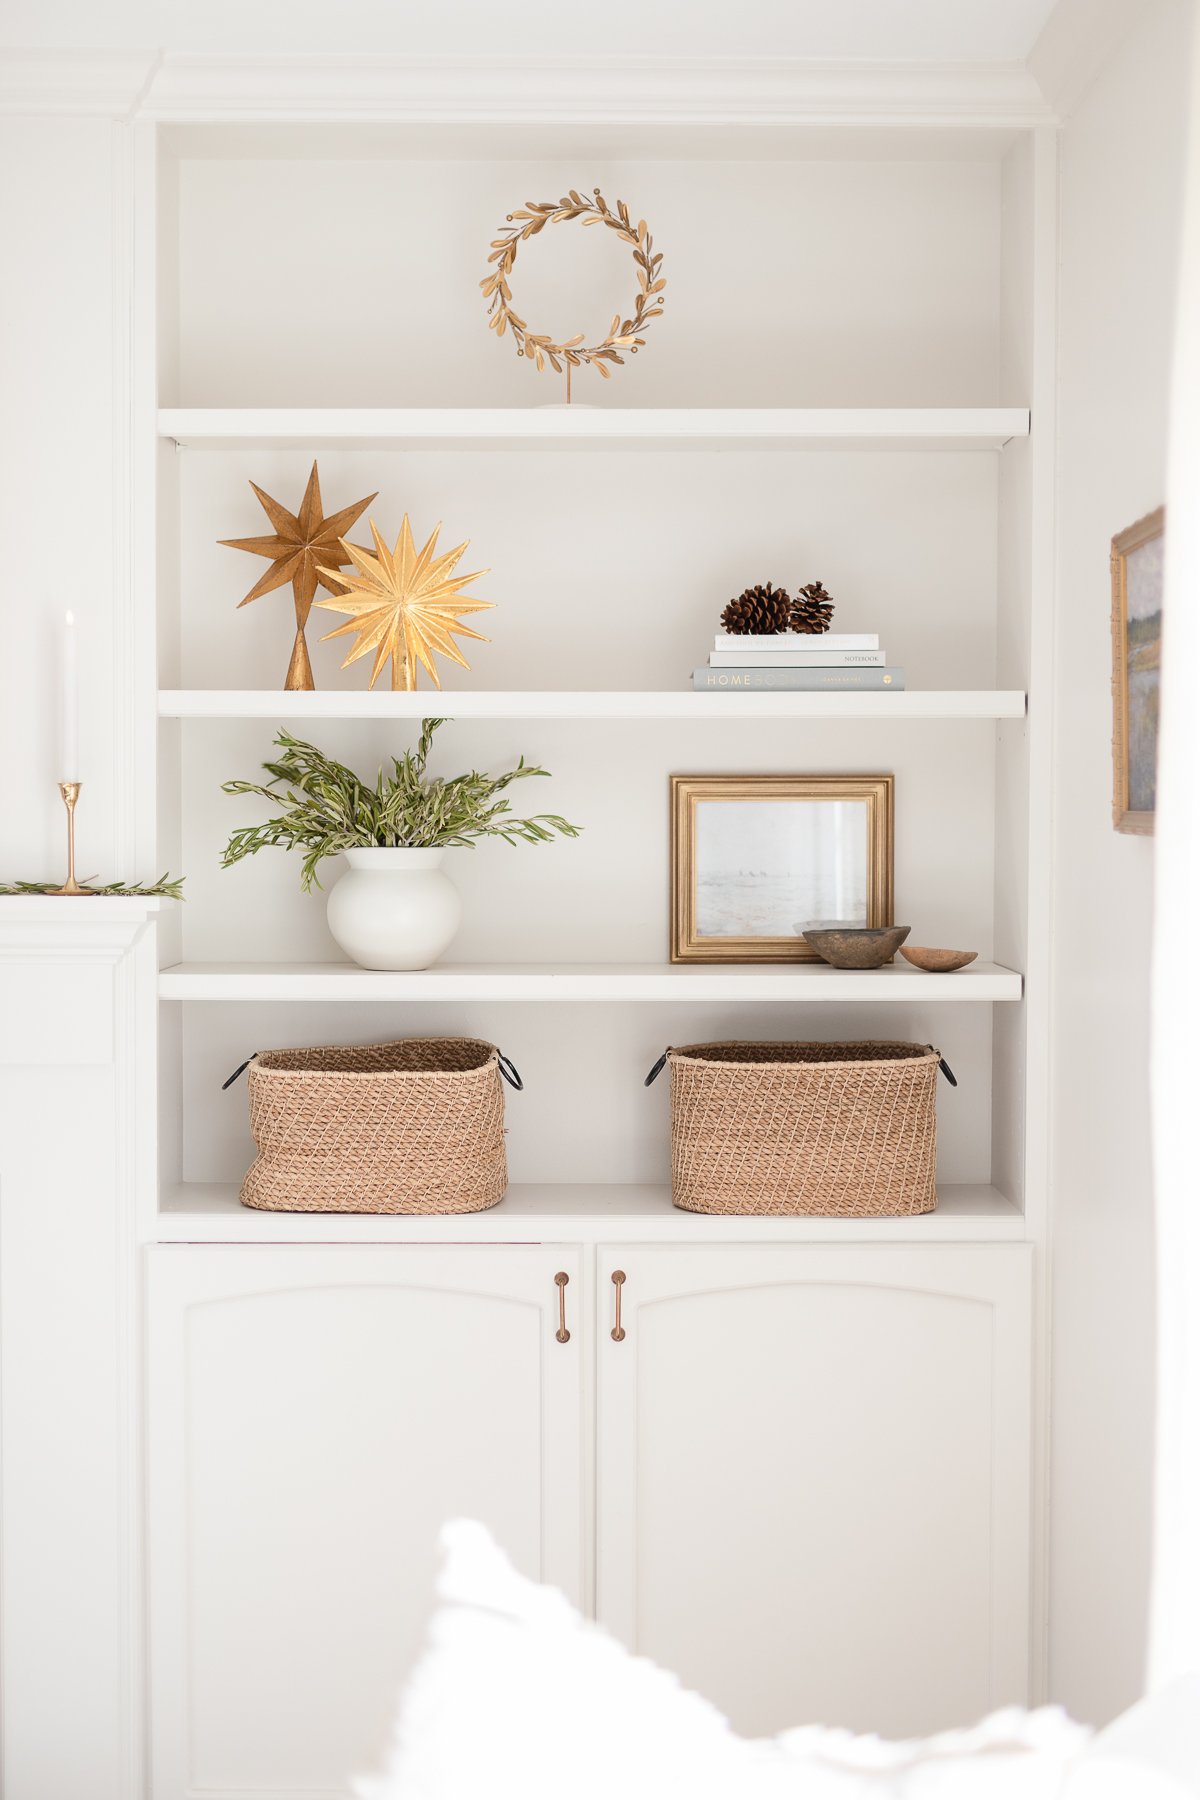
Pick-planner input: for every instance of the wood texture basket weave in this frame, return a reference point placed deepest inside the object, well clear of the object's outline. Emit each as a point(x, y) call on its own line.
point(415, 1126)
point(843, 1129)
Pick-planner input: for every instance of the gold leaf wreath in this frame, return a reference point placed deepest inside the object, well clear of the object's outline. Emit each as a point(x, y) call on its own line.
point(623, 334)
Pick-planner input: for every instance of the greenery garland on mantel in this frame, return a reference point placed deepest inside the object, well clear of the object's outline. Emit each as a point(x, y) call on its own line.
point(167, 887)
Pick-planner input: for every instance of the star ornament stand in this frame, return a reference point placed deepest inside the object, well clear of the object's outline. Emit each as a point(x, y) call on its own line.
point(300, 542)
point(70, 799)
point(404, 604)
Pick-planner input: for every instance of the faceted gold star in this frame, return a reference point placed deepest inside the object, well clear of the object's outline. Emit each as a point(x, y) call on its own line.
point(301, 543)
point(404, 603)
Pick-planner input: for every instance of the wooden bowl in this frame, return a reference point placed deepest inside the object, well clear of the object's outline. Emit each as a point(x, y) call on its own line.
point(938, 962)
point(857, 947)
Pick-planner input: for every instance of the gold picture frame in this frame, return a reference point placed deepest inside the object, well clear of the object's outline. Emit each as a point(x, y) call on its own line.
point(706, 891)
point(1136, 561)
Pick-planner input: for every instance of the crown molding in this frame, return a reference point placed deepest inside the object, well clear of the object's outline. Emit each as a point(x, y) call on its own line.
point(177, 87)
point(1078, 39)
point(106, 84)
point(600, 90)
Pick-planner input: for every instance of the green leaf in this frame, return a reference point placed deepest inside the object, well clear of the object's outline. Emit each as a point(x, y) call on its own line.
point(328, 809)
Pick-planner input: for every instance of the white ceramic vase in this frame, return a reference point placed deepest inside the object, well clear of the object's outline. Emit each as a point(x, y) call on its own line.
point(394, 909)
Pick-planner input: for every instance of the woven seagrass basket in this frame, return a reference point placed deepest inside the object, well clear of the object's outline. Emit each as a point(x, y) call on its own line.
point(410, 1127)
point(777, 1129)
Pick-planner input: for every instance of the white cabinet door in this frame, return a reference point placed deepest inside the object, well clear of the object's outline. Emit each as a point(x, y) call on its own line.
point(315, 1415)
point(813, 1468)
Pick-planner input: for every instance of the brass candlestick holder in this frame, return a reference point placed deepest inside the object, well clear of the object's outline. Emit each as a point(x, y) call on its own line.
point(70, 798)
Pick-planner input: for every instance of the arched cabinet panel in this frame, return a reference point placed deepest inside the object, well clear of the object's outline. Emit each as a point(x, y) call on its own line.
point(315, 1417)
point(813, 1467)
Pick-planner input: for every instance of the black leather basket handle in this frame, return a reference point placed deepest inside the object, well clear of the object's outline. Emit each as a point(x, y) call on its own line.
point(658, 1068)
point(240, 1070)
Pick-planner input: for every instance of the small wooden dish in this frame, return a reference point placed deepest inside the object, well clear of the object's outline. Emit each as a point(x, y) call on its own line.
point(856, 946)
point(938, 962)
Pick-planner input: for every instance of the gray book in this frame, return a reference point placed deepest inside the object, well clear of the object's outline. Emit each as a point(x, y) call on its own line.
point(801, 681)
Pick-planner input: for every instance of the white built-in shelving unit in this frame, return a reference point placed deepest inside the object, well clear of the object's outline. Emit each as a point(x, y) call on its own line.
point(883, 427)
point(853, 380)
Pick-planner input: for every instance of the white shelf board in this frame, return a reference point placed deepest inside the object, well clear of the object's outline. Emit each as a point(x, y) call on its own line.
point(259, 703)
point(194, 1212)
point(590, 428)
point(797, 983)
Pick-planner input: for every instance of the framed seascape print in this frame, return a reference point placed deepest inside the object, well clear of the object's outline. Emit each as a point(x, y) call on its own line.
point(1137, 599)
point(757, 859)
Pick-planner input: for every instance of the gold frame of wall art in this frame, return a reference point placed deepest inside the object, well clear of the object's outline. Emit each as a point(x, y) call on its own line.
point(687, 944)
point(1140, 822)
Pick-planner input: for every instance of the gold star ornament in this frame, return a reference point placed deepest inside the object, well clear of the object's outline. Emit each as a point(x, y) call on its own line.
point(303, 541)
point(404, 603)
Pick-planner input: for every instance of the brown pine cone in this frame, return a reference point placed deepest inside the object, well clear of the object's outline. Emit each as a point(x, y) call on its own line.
point(758, 611)
point(812, 609)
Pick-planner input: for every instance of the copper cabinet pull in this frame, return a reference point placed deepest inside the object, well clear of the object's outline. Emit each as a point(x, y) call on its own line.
point(618, 1330)
point(562, 1334)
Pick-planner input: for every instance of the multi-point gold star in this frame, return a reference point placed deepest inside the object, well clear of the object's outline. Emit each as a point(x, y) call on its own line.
point(303, 542)
point(404, 603)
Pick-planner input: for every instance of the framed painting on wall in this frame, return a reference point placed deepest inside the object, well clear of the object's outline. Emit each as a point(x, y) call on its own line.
point(758, 859)
point(1137, 600)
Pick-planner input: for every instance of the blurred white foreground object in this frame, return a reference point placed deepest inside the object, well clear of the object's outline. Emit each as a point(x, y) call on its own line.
point(518, 1696)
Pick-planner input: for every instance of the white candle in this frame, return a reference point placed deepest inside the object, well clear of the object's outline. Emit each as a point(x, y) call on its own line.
point(68, 760)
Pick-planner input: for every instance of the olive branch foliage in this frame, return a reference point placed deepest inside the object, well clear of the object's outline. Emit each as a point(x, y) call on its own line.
point(327, 808)
point(167, 887)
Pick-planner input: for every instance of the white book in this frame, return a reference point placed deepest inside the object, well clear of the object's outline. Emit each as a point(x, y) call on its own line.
point(792, 640)
point(796, 659)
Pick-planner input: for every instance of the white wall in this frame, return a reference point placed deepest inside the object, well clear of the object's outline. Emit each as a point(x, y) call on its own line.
point(1122, 172)
point(66, 1569)
point(60, 476)
point(1175, 1622)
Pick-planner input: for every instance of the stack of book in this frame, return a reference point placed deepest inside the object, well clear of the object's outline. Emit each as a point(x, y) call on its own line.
point(799, 661)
